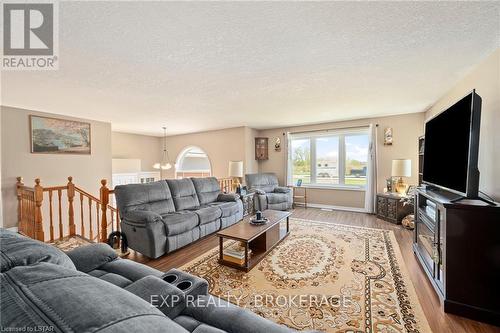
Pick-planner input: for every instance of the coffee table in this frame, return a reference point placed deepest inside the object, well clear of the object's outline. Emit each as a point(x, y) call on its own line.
point(259, 238)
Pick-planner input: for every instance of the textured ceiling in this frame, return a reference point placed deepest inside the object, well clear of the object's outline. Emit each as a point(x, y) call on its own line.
point(196, 66)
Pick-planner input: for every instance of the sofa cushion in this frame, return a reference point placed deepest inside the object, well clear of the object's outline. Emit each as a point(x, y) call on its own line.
point(274, 198)
point(208, 213)
point(227, 208)
point(228, 197)
point(129, 269)
point(262, 181)
point(166, 297)
point(89, 257)
point(17, 250)
point(72, 301)
point(155, 197)
point(215, 312)
point(207, 189)
point(282, 189)
point(179, 222)
point(183, 193)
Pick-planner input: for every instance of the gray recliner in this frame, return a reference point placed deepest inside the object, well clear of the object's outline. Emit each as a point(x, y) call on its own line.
point(268, 193)
point(163, 216)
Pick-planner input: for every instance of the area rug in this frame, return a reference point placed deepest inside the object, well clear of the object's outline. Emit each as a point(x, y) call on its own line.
point(70, 242)
point(324, 276)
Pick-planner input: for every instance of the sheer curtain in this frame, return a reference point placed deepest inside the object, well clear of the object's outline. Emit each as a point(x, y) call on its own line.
point(288, 167)
point(371, 172)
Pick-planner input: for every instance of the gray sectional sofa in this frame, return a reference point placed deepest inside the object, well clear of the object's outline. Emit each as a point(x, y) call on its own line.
point(268, 193)
point(163, 216)
point(90, 289)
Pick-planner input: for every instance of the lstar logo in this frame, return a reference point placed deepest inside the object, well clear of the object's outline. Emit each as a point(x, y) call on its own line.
point(29, 36)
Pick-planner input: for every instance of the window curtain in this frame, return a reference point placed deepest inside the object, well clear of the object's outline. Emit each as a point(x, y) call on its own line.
point(288, 167)
point(371, 181)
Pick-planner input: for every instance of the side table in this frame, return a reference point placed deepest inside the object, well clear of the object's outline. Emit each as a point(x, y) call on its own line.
point(299, 193)
point(391, 209)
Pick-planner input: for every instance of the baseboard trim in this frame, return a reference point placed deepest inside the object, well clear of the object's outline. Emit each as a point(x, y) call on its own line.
point(343, 208)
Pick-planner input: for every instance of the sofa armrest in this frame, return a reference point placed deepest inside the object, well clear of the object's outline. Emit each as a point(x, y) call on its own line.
point(142, 216)
point(258, 191)
point(282, 189)
point(228, 197)
point(167, 298)
point(90, 257)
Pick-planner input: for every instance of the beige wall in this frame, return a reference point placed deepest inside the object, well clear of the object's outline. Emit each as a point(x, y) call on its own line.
point(406, 130)
point(251, 165)
point(221, 147)
point(52, 169)
point(485, 78)
point(146, 148)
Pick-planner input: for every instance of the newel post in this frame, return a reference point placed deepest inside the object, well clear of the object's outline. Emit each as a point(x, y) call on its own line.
point(71, 211)
point(104, 197)
point(20, 223)
point(39, 234)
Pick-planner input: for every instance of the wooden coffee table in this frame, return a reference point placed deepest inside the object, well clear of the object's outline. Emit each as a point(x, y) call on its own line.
point(259, 238)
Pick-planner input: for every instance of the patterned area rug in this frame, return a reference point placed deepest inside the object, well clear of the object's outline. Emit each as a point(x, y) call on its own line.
point(324, 276)
point(70, 242)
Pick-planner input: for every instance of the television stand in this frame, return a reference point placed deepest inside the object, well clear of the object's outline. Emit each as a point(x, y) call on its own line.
point(457, 244)
point(489, 202)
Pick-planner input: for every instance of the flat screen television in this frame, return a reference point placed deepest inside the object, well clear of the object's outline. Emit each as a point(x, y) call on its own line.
point(451, 147)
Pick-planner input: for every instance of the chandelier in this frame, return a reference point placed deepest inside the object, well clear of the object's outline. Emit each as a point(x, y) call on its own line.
point(165, 161)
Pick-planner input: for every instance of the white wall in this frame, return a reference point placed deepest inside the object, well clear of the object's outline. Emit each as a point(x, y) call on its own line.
point(146, 148)
point(52, 169)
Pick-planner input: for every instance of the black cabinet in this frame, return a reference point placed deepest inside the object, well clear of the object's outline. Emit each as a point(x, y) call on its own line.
point(458, 246)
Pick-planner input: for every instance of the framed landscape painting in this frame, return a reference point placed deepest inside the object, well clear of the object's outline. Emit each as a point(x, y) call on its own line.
point(59, 136)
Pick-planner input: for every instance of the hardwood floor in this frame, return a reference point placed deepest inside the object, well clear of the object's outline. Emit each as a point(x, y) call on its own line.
point(439, 321)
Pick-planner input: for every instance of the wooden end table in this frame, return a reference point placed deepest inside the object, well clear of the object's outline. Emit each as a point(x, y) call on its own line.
point(261, 239)
point(391, 209)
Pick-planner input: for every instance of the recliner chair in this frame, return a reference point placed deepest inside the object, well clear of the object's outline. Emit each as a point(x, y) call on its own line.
point(268, 193)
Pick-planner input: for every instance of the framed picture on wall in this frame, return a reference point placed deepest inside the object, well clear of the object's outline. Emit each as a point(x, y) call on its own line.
point(59, 136)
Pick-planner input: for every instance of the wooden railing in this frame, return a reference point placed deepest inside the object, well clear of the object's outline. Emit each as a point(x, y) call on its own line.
point(94, 219)
point(226, 184)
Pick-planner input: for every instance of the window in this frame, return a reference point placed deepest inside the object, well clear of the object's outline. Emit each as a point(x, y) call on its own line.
point(335, 158)
point(192, 162)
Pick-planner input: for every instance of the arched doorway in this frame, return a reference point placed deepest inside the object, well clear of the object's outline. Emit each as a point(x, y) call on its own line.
point(192, 162)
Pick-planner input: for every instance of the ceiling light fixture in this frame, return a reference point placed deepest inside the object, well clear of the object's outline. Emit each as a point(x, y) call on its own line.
point(165, 161)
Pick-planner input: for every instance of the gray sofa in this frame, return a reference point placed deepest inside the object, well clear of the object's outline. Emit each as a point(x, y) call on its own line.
point(90, 289)
point(163, 216)
point(268, 193)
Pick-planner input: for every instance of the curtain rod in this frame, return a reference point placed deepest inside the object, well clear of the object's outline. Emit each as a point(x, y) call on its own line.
point(331, 129)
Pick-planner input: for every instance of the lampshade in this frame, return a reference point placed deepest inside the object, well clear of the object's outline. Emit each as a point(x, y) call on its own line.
point(401, 168)
point(235, 168)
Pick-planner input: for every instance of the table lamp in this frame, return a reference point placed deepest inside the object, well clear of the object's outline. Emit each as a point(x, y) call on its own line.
point(236, 172)
point(401, 168)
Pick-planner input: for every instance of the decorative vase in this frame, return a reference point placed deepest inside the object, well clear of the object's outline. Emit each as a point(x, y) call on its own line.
point(409, 222)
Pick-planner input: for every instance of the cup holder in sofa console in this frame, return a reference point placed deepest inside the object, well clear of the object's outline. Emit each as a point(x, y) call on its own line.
point(184, 285)
point(170, 278)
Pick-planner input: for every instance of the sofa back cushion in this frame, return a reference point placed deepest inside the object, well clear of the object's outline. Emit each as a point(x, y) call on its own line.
point(47, 295)
point(155, 196)
point(17, 250)
point(183, 193)
point(262, 181)
point(207, 189)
